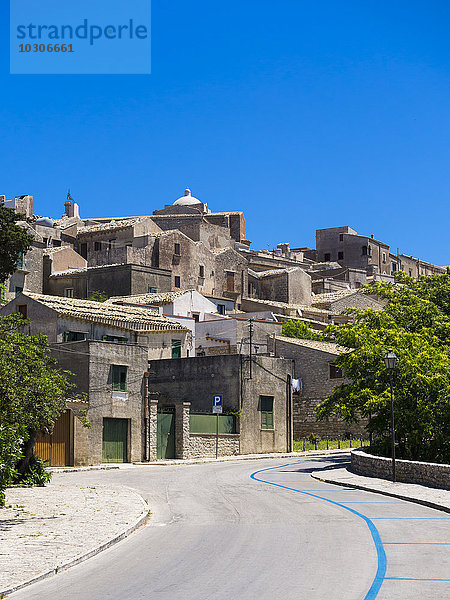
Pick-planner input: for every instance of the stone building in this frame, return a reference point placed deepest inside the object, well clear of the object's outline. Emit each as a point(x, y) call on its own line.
point(191, 216)
point(257, 405)
point(110, 280)
point(291, 285)
point(415, 267)
point(344, 246)
point(314, 367)
point(69, 319)
point(110, 378)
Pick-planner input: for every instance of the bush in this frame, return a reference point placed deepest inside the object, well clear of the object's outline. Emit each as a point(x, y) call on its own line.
point(36, 473)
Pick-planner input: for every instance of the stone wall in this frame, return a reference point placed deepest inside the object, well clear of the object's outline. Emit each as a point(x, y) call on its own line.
point(203, 445)
point(312, 366)
point(407, 471)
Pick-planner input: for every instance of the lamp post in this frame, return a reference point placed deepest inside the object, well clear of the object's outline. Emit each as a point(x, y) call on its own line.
point(390, 360)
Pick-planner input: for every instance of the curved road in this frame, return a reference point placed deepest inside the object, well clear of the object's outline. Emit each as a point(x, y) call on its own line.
point(218, 533)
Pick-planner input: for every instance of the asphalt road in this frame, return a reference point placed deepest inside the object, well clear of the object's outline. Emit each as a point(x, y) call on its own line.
point(219, 533)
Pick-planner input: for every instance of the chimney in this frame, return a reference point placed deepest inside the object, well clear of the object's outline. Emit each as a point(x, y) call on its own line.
point(71, 209)
point(371, 235)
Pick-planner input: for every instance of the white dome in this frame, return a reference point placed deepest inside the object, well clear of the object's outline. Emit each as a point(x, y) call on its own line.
point(187, 199)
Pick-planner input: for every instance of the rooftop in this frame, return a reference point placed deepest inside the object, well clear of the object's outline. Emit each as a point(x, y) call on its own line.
point(113, 224)
point(123, 317)
point(329, 347)
point(149, 299)
point(329, 297)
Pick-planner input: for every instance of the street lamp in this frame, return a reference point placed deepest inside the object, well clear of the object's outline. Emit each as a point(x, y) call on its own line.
point(390, 360)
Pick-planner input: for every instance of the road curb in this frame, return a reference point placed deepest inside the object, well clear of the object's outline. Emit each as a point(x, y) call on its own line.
point(239, 457)
point(384, 493)
point(93, 552)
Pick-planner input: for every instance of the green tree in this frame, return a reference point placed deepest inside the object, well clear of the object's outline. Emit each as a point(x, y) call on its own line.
point(14, 241)
point(98, 296)
point(415, 323)
point(301, 330)
point(33, 394)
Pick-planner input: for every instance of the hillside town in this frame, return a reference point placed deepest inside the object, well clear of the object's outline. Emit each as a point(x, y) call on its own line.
point(155, 314)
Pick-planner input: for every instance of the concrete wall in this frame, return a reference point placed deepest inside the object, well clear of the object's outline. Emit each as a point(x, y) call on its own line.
point(407, 471)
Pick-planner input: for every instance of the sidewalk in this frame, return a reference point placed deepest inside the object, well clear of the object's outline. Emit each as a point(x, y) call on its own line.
point(421, 494)
point(46, 529)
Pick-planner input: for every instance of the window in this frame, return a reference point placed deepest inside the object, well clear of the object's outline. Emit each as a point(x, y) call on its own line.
point(83, 250)
point(340, 256)
point(221, 309)
point(176, 249)
point(196, 317)
point(74, 336)
point(364, 251)
point(119, 378)
point(327, 257)
point(201, 271)
point(335, 372)
point(176, 348)
point(18, 290)
point(177, 282)
point(341, 237)
point(384, 257)
point(22, 310)
point(97, 246)
point(56, 243)
point(111, 244)
point(19, 263)
point(266, 408)
point(68, 292)
point(230, 281)
point(115, 338)
point(152, 290)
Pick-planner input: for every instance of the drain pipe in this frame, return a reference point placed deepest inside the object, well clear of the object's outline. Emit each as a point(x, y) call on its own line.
point(146, 375)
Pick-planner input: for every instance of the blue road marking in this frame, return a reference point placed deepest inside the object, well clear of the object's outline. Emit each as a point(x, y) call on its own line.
point(415, 579)
point(381, 568)
point(416, 544)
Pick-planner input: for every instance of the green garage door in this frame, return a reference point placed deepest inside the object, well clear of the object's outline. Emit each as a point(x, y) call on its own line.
point(115, 440)
point(166, 433)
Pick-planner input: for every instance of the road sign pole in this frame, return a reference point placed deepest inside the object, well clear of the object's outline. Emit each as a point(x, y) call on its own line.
point(217, 435)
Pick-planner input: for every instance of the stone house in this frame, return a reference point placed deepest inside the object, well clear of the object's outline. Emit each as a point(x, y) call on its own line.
point(68, 319)
point(291, 285)
point(415, 267)
point(110, 280)
point(110, 376)
point(257, 405)
point(314, 367)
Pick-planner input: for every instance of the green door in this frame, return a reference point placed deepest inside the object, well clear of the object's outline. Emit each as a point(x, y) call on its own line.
point(166, 434)
point(115, 440)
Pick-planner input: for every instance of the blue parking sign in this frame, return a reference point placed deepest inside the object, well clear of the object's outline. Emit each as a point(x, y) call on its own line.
point(217, 404)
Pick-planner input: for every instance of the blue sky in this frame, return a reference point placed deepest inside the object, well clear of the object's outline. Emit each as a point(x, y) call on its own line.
point(301, 114)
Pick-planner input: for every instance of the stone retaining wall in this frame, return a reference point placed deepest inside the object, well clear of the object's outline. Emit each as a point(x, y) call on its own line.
point(407, 471)
point(203, 445)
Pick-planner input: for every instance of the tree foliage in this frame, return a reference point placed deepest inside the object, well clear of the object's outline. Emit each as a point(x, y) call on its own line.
point(14, 241)
point(301, 330)
point(415, 323)
point(33, 394)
